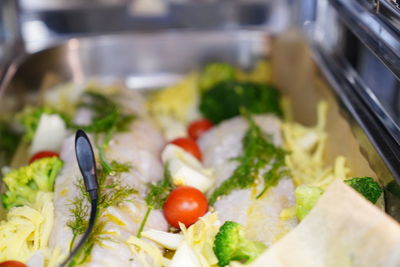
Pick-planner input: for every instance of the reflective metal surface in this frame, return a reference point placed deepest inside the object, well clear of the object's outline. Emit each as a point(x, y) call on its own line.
point(44, 21)
point(380, 38)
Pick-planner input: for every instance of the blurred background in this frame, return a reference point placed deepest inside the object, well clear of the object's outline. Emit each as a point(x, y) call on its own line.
point(361, 34)
point(44, 20)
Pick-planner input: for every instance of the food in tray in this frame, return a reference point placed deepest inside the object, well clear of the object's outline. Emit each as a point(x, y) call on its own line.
point(208, 172)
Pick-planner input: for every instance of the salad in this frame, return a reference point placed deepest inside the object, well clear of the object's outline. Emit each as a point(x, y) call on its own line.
point(211, 171)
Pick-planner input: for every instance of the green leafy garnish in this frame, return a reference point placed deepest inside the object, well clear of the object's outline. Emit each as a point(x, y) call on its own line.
point(97, 235)
point(258, 153)
point(107, 114)
point(111, 192)
point(225, 99)
point(157, 194)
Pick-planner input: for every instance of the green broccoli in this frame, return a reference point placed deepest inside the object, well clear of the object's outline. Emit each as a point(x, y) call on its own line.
point(24, 183)
point(214, 73)
point(367, 187)
point(225, 99)
point(230, 244)
point(306, 198)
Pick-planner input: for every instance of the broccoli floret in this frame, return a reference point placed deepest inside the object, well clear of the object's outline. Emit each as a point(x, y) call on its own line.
point(214, 73)
point(230, 244)
point(306, 198)
point(225, 99)
point(24, 183)
point(367, 187)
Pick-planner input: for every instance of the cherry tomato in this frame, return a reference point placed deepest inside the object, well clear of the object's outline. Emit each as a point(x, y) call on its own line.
point(199, 127)
point(43, 154)
point(188, 145)
point(185, 204)
point(12, 264)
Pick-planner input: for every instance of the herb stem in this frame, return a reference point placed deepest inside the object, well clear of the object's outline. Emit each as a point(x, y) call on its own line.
point(107, 168)
point(146, 216)
point(71, 245)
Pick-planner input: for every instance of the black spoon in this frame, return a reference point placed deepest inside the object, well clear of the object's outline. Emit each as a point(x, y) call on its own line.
point(87, 165)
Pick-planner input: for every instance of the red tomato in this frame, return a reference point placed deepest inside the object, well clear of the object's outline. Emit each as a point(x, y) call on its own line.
point(12, 264)
point(43, 154)
point(185, 204)
point(199, 127)
point(188, 145)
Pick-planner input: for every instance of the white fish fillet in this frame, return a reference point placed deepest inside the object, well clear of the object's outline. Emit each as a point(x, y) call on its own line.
point(259, 216)
point(224, 142)
point(140, 147)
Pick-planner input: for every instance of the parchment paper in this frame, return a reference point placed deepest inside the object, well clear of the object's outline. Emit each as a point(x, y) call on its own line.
point(343, 229)
point(295, 73)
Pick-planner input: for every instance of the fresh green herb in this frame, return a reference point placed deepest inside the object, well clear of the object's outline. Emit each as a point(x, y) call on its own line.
point(113, 193)
point(79, 210)
point(258, 153)
point(107, 114)
point(96, 236)
point(157, 194)
point(225, 99)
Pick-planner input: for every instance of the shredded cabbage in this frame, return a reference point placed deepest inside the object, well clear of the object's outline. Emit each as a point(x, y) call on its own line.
point(27, 230)
point(144, 249)
point(175, 106)
point(200, 237)
point(307, 146)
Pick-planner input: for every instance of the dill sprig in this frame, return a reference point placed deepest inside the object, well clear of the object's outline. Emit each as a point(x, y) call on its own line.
point(111, 193)
point(107, 114)
point(258, 153)
point(157, 194)
point(115, 194)
point(97, 235)
point(79, 210)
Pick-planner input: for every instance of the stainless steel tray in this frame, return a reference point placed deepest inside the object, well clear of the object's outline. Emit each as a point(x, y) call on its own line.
point(156, 59)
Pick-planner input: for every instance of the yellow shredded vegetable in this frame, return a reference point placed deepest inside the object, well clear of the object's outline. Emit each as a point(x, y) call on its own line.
point(175, 106)
point(27, 229)
point(178, 101)
point(144, 249)
point(200, 237)
point(306, 146)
